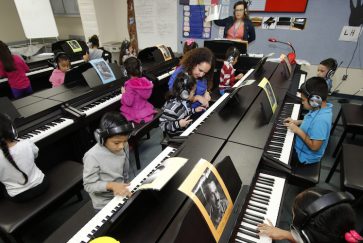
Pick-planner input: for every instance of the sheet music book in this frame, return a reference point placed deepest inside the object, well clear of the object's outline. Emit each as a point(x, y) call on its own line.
point(103, 70)
point(163, 173)
point(206, 188)
point(265, 84)
point(74, 45)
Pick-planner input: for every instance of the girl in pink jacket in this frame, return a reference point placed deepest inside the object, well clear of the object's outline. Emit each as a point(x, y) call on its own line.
point(135, 93)
point(14, 68)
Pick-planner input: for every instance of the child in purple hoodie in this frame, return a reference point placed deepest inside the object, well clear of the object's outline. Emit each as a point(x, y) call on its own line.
point(135, 93)
point(63, 65)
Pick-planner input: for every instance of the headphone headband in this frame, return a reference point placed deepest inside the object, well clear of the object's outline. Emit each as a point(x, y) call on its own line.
point(321, 204)
point(184, 94)
point(102, 135)
point(315, 100)
point(332, 69)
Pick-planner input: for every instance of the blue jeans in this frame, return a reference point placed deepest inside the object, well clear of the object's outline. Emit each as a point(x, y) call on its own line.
point(18, 93)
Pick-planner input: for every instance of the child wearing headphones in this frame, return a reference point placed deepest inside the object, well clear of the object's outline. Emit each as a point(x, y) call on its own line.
point(319, 216)
point(22, 179)
point(198, 63)
point(63, 65)
point(313, 132)
point(178, 109)
point(106, 164)
point(227, 77)
point(126, 51)
point(326, 70)
point(14, 68)
point(135, 93)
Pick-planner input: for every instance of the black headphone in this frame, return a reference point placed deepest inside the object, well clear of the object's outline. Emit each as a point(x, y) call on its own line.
point(303, 216)
point(332, 69)
point(232, 56)
point(124, 69)
point(57, 56)
point(184, 94)
point(9, 130)
point(102, 135)
point(315, 100)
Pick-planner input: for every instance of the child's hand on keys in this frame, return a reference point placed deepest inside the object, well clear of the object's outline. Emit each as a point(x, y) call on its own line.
point(185, 122)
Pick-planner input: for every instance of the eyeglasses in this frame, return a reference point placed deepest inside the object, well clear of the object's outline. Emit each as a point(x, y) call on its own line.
point(239, 10)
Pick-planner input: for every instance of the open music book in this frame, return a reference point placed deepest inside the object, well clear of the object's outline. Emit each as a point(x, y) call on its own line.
point(163, 173)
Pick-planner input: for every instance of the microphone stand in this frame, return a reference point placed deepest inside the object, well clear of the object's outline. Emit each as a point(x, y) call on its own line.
point(291, 55)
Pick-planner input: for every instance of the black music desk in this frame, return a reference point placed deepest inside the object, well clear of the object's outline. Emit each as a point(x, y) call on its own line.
point(149, 214)
point(225, 118)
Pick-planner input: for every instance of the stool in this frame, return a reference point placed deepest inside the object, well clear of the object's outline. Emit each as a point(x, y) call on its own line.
point(351, 168)
point(352, 117)
point(140, 131)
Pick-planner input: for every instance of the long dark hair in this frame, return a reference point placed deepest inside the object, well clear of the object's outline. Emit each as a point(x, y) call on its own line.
point(7, 134)
point(196, 56)
point(6, 58)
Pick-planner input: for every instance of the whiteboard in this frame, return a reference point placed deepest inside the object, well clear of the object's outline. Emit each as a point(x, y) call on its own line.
point(37, 18)
point(156, 23)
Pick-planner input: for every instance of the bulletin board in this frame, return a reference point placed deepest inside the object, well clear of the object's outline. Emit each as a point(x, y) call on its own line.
point(285, 6)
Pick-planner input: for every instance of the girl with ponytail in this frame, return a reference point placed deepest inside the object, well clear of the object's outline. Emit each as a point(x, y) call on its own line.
point(22, 179)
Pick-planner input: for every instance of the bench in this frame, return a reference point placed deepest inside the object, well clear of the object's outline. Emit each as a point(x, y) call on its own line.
point(65, 181)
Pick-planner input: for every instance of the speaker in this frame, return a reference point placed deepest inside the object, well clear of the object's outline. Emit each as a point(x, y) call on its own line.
point(102, 135)
point(315, 101)
point(332, 70)
point(184, 94)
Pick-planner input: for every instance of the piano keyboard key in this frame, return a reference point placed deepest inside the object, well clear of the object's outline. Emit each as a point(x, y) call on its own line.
point(209, 111)
point(101, 103)
point(247, 229)
point(47, 130)
point(86, 233)
point(302, 80)
point(166, 75)
point(280, 144)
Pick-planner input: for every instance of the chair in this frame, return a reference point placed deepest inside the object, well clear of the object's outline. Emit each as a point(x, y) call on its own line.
point(140, 131)
point(351, 168)
point(352, 117)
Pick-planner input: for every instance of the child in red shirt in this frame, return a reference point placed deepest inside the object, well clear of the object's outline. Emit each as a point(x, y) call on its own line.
point(227, 78)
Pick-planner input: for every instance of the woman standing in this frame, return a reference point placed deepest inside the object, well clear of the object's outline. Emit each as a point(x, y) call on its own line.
point(239, 26)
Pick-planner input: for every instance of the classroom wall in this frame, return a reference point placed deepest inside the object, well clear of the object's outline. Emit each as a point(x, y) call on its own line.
point(10, 25)
point(12, 30)
point(68, 26)
point(319, 40)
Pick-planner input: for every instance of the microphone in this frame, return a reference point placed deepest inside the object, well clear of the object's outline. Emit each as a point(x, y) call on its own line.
point(336, 88)
point(292, 55)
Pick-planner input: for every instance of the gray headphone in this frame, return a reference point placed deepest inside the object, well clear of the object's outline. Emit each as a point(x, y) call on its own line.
point(332, 70)
point(232, 56)
point(315, 101)
point(184, 94)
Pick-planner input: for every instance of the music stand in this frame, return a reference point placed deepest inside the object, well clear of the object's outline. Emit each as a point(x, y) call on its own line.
point(219, 47)
point(74, 76)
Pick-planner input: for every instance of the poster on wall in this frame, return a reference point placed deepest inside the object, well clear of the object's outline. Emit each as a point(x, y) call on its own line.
point(194, 25)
